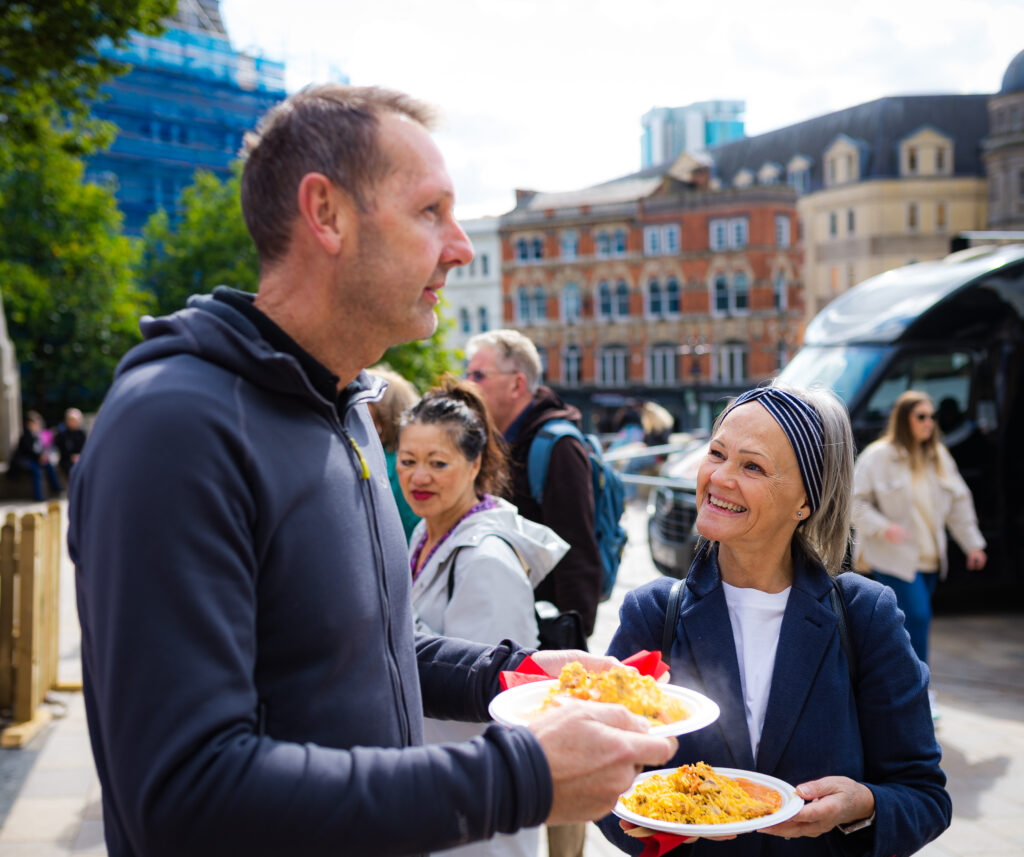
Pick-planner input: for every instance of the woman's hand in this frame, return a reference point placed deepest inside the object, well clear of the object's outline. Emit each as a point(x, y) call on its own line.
point(895, 534)
point(976, 560)
point(830, 801)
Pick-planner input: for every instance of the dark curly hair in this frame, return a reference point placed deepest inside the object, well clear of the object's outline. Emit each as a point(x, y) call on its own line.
point(458, 409)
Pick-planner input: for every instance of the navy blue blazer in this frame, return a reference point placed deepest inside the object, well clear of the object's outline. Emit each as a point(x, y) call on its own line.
point(878, 731)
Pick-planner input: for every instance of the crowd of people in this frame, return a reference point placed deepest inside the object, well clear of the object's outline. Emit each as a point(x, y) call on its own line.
point(299, 579)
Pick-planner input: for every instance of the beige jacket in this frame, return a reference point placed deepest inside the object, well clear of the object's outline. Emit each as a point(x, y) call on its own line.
point(882, 495)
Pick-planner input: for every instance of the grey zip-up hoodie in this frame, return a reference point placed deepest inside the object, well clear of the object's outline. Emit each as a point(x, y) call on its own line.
point(252, 679)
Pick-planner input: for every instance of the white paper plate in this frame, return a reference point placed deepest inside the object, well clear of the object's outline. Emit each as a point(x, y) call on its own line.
point(791, 804)
point(517, 706)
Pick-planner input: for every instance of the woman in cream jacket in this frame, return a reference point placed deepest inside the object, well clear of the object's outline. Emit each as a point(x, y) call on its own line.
point(906, 492)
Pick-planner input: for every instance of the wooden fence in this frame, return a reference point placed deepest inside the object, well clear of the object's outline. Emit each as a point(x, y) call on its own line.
point(30, 559)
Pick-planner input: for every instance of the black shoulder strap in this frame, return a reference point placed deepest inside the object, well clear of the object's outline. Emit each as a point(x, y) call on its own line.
point(455, 553)
point(839, 608)
point(675, 598)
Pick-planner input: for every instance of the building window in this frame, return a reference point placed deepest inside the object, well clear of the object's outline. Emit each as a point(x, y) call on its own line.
point(672, 297)
point(717, 234)
point(730, 364)
point(572, 363)
point(522, 250)
point(670, 238)
point(940, 159)
point(940, 217)
point(833, 224)
point(652, 240)
point(484, 264)
point(523, 305)
point(721, 294)
point(731, 233)
point(779, 292)
point(850, 221)
point(571, 303)
point(738, 232)
point(911, 160)
point(800, 180)
point(604, 299)
point(912, 220)
point(464, 324)
point(620, 242)
point(540, 304)
point(662, 365)
point(831, 171)
point(612, 366)
point(654, 308)
point(538, 248)
point(782, 230)
point(741, 292)
point(622, 299)
point(483, 320)
point(570, 244)
point(603, 245)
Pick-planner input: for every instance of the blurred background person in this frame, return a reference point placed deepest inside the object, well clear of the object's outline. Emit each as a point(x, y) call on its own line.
point(32, 456)
point(70, 441)
point(906, 492)
point(386, 413)
point(474, 559)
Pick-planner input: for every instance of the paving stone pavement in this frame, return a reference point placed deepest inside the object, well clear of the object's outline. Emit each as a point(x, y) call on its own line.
point(978, 667)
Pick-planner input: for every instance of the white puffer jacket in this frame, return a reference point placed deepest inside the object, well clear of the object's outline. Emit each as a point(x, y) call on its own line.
point(883, 495)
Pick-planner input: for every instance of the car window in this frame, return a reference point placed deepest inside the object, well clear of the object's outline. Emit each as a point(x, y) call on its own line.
point(946, 378)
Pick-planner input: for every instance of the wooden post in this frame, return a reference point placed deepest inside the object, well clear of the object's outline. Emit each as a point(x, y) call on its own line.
point(7, 549)
point(51, 609)
point(26, 648)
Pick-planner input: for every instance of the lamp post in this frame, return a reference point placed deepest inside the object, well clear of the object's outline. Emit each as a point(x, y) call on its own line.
point(694, 348)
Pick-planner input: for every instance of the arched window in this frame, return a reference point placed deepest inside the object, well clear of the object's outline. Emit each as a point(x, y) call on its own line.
point(571, 304)
point(540, 304)
point(523, 305)
point(538, 248)
point(620, 242)
point(622, 299)
point(672, 305)
point(522, 250)
point(572, 362)
point(603, 245)
point(654, 308)
point(721, 294)
point(741, 292)
point(604, 299)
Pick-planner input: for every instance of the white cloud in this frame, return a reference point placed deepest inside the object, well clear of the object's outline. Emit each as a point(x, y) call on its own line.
point(548, 94)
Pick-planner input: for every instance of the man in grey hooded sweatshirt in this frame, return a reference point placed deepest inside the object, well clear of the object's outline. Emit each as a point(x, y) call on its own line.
point(252, 678)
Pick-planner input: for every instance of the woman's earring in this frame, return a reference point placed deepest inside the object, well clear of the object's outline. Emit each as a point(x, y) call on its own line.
point(799, 514)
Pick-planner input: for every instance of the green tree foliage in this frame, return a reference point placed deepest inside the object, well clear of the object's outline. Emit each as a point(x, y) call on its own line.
point(50, 67)
point(208, 245)
point(66, 275)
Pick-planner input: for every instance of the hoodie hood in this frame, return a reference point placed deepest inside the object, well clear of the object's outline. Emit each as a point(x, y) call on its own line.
point(538, 546)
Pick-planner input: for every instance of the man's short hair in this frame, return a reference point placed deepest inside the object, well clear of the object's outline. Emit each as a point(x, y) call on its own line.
point(514, 352)
point(328, 128)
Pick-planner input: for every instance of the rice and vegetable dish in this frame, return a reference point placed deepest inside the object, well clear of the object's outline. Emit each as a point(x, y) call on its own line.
point(695, 794)
point(624, 685)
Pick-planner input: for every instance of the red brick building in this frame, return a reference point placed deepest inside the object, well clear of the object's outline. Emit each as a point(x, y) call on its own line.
point(655, 287)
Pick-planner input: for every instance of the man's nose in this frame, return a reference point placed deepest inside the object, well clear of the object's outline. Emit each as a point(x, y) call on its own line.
point(458, 249)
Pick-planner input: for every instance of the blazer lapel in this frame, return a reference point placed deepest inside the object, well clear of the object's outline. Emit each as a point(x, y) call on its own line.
point(705, 624)
point(807, 627)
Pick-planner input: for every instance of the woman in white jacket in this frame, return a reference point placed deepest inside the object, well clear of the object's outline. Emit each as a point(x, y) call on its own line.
point(906, 492)
point(474, 559)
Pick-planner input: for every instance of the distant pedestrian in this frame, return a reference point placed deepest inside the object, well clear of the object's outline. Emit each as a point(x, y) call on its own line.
point(70, 440)
point(907, 492)
point(399, 396)
point(32, 456)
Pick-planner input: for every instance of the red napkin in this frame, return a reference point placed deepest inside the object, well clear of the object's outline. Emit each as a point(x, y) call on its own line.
point(646, 663)
point(661, 843)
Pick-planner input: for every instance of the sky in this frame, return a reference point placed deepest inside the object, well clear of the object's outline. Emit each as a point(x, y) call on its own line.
point(548, 94)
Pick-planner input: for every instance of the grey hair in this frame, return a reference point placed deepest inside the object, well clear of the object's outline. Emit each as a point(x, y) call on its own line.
point(825, 535)
point(514, 352)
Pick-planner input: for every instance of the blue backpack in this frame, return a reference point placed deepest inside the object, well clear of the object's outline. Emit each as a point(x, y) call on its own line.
point(609, 496)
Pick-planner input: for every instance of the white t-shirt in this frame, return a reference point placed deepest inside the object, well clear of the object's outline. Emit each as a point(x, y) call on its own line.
point(756, 618)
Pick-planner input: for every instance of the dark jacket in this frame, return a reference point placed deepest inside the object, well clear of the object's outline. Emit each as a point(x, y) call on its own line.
point(252, 680)
point(568, 508)
point(879, 733)
point(69, 442)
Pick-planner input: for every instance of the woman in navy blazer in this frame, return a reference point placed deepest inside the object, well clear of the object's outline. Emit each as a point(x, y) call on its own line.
point(756, 632)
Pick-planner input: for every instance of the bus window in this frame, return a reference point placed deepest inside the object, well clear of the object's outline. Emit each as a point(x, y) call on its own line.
point(946, 378)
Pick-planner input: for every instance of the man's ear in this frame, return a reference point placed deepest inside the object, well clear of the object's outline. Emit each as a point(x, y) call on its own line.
point(327, 212)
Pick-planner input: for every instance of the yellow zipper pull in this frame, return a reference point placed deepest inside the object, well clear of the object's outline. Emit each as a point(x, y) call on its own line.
point(362, 461)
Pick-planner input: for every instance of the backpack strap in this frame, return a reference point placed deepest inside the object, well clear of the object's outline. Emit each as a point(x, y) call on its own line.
point(839, 608)
point(540, 452)
point(675, 599)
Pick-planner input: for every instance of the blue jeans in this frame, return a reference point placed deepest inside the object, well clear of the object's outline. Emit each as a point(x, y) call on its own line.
point(37, 479)
point(915, 600)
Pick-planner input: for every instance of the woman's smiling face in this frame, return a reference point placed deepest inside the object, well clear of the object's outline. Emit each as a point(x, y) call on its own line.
point(749, 490)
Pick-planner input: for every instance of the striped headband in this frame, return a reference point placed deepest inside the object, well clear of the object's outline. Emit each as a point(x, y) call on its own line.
point(802, 425)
